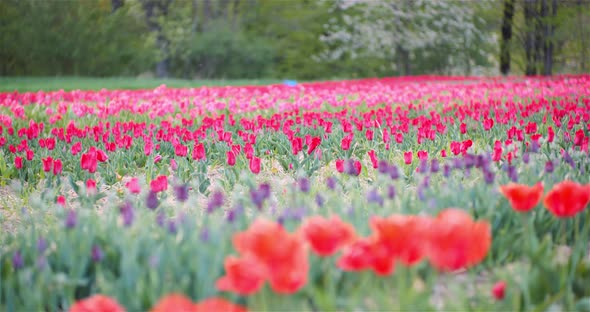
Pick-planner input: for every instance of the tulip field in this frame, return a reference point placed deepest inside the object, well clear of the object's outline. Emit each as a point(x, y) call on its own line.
point(413, 194)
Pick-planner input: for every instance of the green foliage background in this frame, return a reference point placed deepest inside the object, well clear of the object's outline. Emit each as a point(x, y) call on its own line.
point(232, 39)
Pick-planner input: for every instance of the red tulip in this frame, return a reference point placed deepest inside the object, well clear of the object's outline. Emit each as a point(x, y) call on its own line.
point(57, 167)
point(217, 304)
point(231, 158)
point(47, 163)
point(522, 197)
point(408, 157)
point(174, 302)
point(159, 184)
point(18, 162)
point(255, 165)
point(326, 236)
point(566, 199)
point(97, 303)
point(499, 290)
point(456, 241)
point(133, 186)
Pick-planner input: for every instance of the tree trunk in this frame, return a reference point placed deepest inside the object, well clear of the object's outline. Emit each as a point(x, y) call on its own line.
point(506, 37)
point(403, 58)
point(207, 12)
point(530, 13)
point(234, 18)
point(549, 40)
point(582, 28)
point(153, 9)
point(116, 4)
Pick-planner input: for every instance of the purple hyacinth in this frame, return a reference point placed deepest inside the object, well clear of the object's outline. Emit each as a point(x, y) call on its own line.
point(215, 201)
point(420, 192)
point(446, 170)
point(181, 192)
point(152, 201)
point(331, 183)
point(96, 253)
point(390, 191)
point(127, 214)
point(319, 200)
point(17, 260)
point(161, 219)
point(568, 159)
point(71, 219)
point(526, 158)
point(423, 166)
point(304, 185)
point(512, 174)
point(258, 197)
point(393, 172)
point(374, 197)
point(172, 226)
point(469, 161)
point(204, 235)
point(535, 147)
point(488, 176)
point(457, 163)
point(232, 214)
point(41, 245)
point(549, 167)
point(434, 166)
point(426, 182)
point(383, 166)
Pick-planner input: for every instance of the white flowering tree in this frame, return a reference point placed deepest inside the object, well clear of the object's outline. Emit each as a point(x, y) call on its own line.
point(447, 35)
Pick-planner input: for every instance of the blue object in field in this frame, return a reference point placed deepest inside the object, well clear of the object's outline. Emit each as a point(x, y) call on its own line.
point(290, 83)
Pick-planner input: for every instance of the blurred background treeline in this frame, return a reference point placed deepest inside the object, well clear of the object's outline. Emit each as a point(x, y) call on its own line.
point(296, 39)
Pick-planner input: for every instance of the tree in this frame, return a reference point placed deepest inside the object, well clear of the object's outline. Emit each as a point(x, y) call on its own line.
point(418, 35)
point(506, 36)
point(153, 10)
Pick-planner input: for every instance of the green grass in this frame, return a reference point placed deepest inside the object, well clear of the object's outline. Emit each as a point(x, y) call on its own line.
point(22, 84)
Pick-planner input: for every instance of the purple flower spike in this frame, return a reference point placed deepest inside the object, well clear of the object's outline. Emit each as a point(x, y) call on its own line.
point(535, 147)
point(331, 183)
point(526, 158)
point(426, 182)
point(127, 213)
point(41, 245)
point(304, 185)
point(71, 219)
point(421, 195)
point(549, 167)
point(383, 166)
point(393, 172)
point(374, 197)
point(172, 226)
point(446, 170)
point(423, 167)
point(161, 219)
point(181, 192)
point(96, 254)
point(215, 201)
point(204, 235)
point(512, 174)
point(152, 201)
point(390, 191)
point(457, 163)
point(17, 260)
point(434, 165)
point(488, 176)
point(319, 200)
